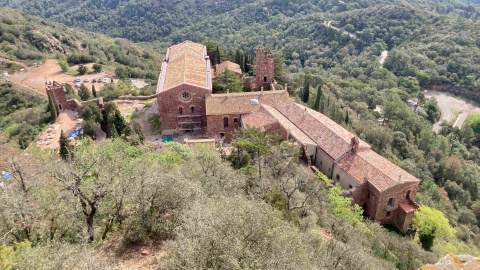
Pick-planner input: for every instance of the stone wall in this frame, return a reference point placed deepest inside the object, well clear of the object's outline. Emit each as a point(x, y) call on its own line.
point(324, 163)
point(265, 69)
point(398, 193)
point(170, 102)
point(215, 126)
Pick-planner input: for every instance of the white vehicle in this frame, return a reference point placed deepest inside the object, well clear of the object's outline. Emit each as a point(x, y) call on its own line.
point(105, 80)
point(6, 74)
point(77, 85)
point(86, 80)
point(78, 79)
point(64, 83)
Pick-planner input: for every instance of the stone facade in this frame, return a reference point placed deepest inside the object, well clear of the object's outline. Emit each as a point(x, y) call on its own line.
point(223, 126)
point(57, 92)
point(265, 69)
point(182, 109)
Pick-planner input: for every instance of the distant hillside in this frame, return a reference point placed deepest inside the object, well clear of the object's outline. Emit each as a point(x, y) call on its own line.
point(30, 38)
point(141, 20)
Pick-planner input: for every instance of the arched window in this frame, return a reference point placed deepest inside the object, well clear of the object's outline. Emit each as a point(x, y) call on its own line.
point(225, 121)
point(192, 109)
point(180, 110)
point(408, 195)
point(338, 177)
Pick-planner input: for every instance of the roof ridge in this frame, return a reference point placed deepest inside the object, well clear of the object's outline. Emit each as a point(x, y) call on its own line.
point(243, 94)
point(308, 111)
point(396, 182)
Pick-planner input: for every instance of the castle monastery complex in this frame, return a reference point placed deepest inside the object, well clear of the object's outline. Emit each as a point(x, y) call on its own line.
point(186, 104)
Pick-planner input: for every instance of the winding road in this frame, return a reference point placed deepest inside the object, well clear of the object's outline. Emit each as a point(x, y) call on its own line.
point(449, 105)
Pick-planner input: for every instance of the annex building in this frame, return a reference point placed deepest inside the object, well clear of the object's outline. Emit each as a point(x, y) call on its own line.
point(186, 104)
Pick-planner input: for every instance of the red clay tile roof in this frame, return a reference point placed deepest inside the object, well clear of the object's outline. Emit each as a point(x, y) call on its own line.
point(185, 63)
point(330, 136)
point(240, 103)
point(382, 173)
point(408, 207)
point(260, 119)
point(267, 115)
point(336, 142)
point(220, 68)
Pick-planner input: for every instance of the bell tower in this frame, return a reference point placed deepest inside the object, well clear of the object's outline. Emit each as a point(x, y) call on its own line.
point(265, 71)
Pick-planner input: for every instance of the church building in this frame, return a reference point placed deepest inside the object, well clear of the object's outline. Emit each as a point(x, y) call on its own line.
point(186, 104)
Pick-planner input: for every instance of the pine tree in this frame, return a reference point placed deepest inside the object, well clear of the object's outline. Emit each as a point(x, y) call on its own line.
point(64, 146)
point(306, 89)
point(51, 108)
point(319, 98)
point(94, 92)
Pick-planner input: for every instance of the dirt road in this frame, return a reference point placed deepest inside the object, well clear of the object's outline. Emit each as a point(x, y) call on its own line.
point(35, 77)
point(449, 105)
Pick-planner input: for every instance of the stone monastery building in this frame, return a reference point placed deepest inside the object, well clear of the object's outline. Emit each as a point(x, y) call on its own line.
point(186, 104)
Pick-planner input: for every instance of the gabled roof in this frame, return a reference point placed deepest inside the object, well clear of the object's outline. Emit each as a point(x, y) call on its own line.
point(267, 115)
point(220, 68)
point(331, 137)
point(185, 63)
point(382, 173)
point(241, 103)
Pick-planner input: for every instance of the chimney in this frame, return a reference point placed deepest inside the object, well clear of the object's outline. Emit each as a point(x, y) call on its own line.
point(399, 179)
point(228, 92)
point(261, 90)
point(286, 87)
point(354, 144)
point(366, 175)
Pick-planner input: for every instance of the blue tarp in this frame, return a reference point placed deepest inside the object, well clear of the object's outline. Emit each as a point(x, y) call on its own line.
point(167, 139)
point(76, 133)
point(6, 176)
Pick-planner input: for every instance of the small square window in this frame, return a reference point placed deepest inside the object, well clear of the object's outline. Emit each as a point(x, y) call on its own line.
point(222, 135)
point(349, 186)
point(235, 120)
point(388, 213)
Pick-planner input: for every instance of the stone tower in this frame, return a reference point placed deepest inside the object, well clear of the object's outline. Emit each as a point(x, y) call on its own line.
point(265, 72)
point(57, 92)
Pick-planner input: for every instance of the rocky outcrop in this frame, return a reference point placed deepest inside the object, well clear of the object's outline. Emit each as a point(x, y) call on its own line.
point(455, 262)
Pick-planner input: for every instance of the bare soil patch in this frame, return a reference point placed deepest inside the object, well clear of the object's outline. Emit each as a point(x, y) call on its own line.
point(35, 77)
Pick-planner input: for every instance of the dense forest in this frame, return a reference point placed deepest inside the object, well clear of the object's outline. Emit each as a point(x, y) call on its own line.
point(166, 20)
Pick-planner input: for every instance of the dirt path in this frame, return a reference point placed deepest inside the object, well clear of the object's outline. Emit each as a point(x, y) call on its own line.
point(35, 77)
point(383, 56)
point(449, 105)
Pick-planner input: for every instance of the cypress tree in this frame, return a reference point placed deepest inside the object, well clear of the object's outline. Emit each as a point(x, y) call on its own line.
point(51, 108)
point(347, 118)
point(114, 132)
point(242, 63)
point(217, 55)
point(319, 98)
point(138, 130)
point(64, 147)
point(237, 56)
point(94, 92)
point(306, 89)
point(246, 69)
